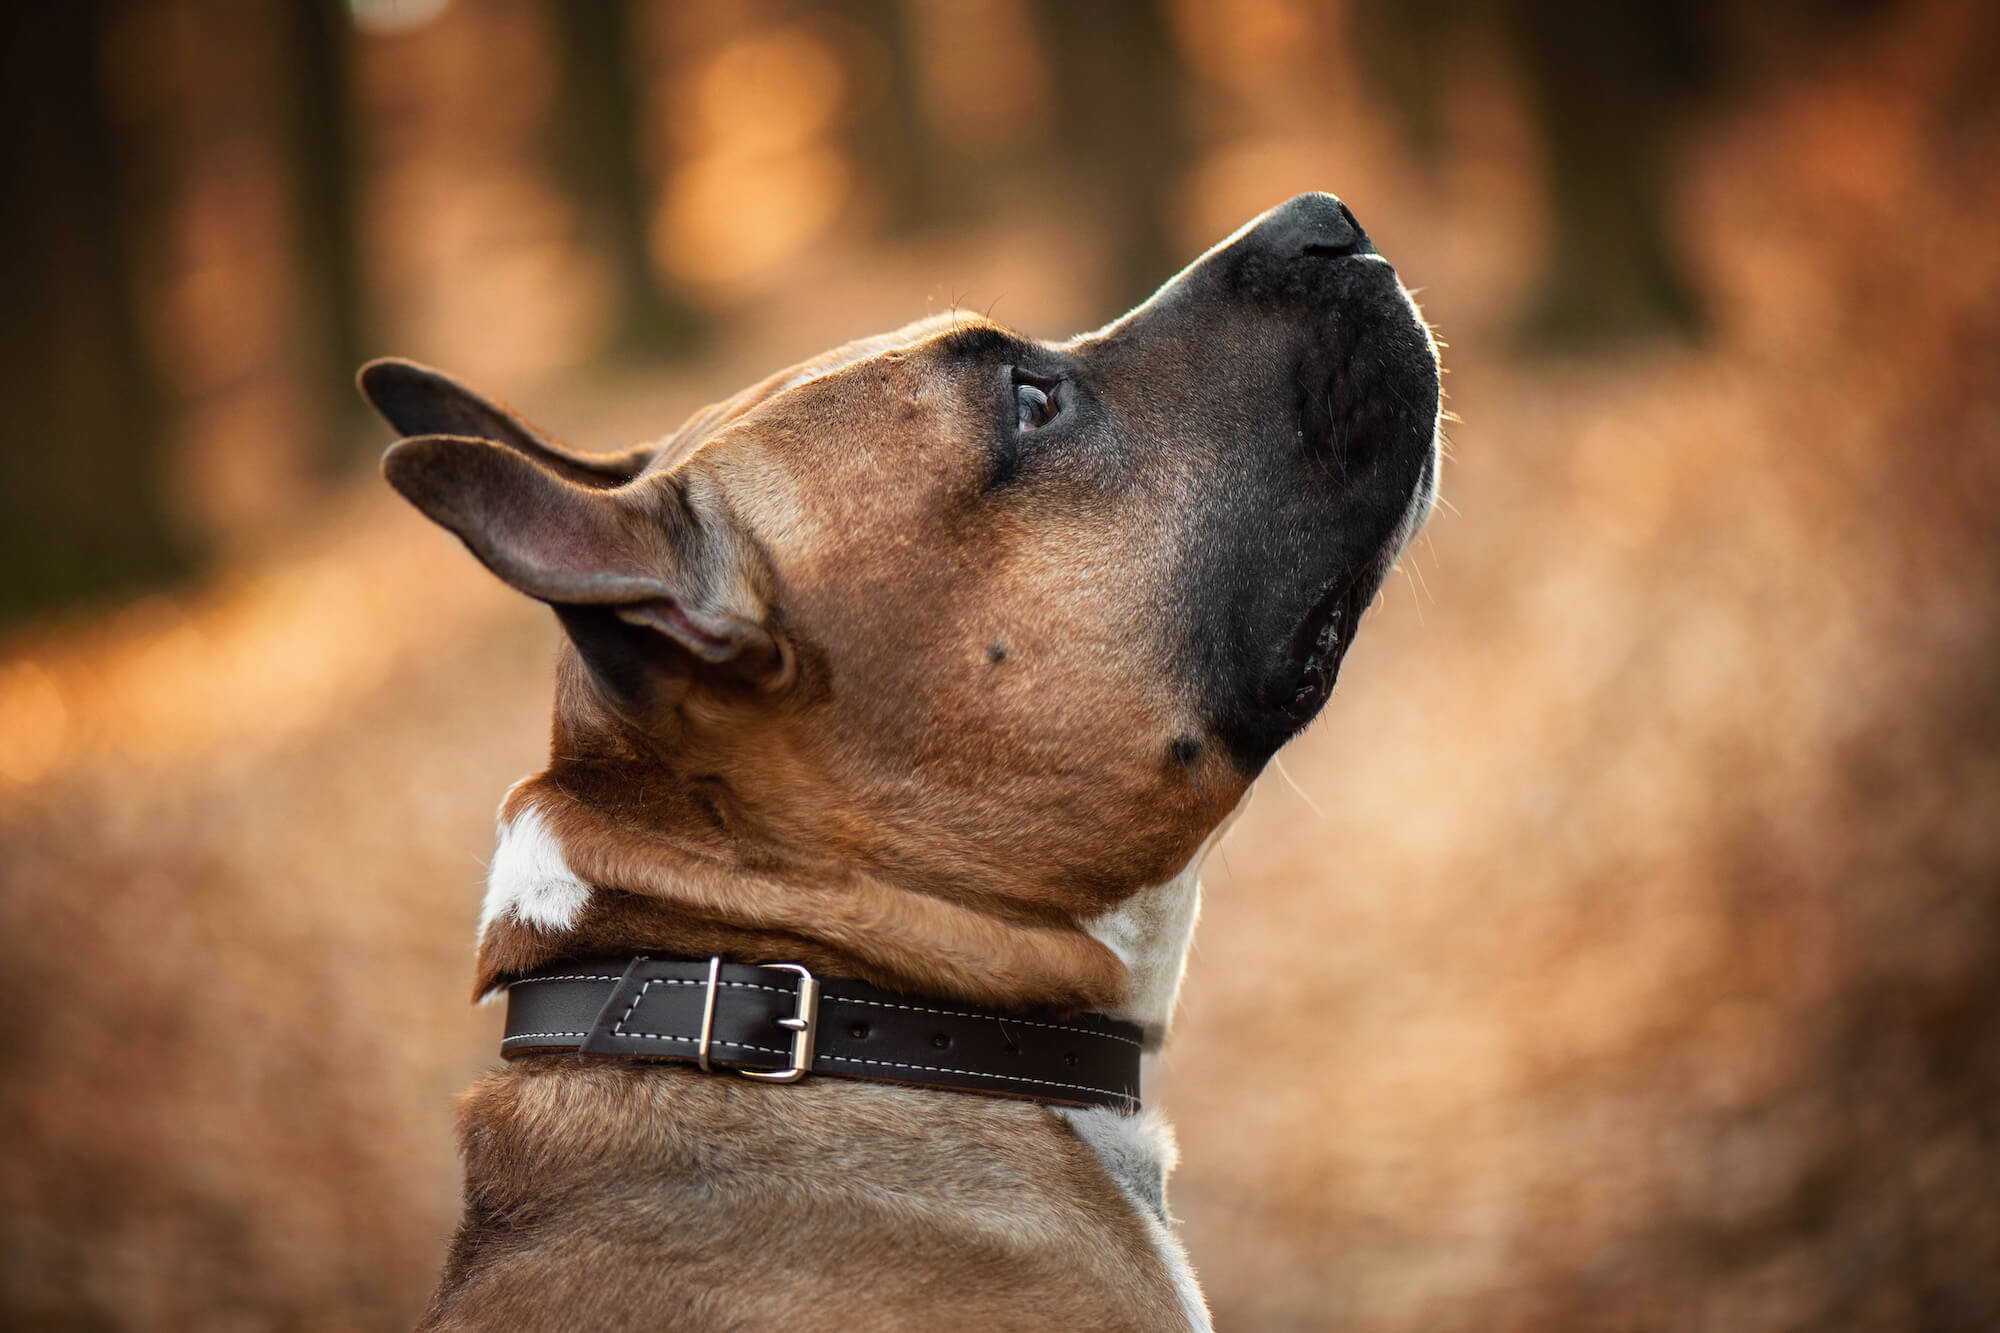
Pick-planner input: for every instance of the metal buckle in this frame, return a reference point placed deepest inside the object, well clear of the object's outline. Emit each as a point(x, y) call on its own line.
point(803, 1022)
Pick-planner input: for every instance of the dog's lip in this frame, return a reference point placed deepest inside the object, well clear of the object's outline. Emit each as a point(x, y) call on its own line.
point(1311, 660)
point(1319, 645)
point(1313, 656)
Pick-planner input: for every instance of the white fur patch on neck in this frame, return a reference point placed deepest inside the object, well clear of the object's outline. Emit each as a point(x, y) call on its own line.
point(529, 880)
point(1150, 933)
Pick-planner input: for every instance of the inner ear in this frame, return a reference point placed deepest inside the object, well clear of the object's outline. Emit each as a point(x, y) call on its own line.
point(418, 400)
point(641, 584)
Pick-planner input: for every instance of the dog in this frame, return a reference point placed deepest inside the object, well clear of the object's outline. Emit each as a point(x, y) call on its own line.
point(903, 691)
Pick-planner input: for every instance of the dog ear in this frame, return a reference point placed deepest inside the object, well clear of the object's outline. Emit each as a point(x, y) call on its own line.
point(621, 567)
point(417, 400)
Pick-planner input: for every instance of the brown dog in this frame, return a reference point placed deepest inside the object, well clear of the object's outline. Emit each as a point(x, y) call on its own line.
point(936, 662)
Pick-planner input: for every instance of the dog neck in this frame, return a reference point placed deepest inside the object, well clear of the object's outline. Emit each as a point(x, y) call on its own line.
point(571, 879)
point(1150, 933)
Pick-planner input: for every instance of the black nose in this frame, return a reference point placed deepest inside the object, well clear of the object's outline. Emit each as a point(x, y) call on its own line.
point(1318, 225)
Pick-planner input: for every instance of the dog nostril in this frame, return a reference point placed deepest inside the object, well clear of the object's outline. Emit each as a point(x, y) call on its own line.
point(941, 1041)
point(858, 1031)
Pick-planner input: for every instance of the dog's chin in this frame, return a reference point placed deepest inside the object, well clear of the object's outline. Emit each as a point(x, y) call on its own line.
point(1309, 662)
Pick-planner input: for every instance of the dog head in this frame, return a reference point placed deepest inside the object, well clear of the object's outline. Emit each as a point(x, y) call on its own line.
point(916, 659)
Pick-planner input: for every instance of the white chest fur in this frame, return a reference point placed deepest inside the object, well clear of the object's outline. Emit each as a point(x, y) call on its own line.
point(1150, 933)
point(1138, 1151)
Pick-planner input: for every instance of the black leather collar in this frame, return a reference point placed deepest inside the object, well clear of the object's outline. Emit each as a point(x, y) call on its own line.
point(779, 1023)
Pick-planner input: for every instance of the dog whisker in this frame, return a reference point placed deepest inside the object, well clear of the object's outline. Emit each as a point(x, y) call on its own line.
point(1415, 600)
point(1278, 762)
point(1417, 575)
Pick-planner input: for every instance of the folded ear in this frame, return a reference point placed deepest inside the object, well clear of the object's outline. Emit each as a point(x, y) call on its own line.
point(622, 567)
point(417, 400)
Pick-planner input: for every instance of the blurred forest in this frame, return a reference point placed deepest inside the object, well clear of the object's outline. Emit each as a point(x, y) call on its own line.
point(1645, 870)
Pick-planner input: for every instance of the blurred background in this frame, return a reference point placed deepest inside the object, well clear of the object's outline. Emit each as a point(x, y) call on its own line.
point(1642, 880)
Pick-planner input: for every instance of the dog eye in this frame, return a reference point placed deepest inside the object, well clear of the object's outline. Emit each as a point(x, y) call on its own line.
point(1033, 407)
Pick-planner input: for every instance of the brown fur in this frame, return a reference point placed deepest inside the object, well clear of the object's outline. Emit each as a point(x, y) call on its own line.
point(612, 1196)
point(809, 819)
point(838, 692)
point(851, 820)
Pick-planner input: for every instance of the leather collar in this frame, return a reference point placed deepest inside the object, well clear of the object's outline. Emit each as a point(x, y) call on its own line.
point(779, 1023)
